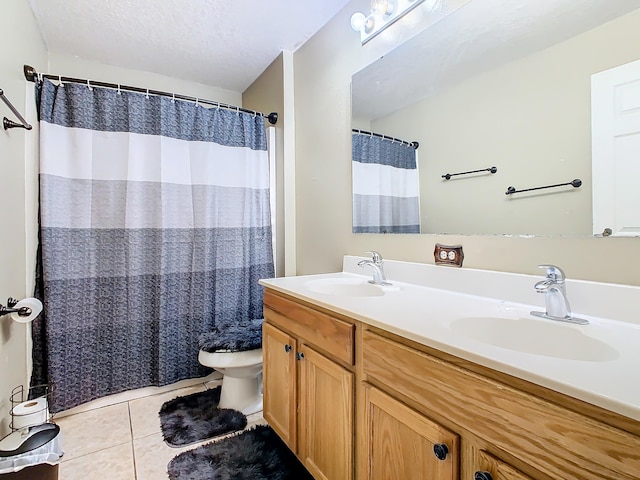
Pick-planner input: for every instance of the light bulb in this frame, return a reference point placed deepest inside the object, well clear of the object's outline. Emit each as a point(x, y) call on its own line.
point(369, 24)
point(358, 21)
point(384, 8)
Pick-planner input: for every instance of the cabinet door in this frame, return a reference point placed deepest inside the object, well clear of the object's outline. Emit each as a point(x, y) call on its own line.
point(403, 445)
point(491, 468)
point(325, 422)
point(279, 383)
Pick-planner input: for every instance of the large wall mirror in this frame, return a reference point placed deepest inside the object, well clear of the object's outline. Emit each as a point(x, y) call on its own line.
point(509, 88)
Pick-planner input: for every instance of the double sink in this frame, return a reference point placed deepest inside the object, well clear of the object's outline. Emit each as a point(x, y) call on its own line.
point(485, 317)
point(517, 331)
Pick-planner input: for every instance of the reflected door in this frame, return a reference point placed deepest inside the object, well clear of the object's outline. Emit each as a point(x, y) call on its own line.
point(615, 120)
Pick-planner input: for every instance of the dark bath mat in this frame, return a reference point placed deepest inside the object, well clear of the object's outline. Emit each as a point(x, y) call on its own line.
point(196, 417)
point(255, 454)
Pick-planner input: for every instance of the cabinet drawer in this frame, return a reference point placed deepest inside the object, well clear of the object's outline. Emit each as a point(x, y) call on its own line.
point(554, 440)
point(329, 334)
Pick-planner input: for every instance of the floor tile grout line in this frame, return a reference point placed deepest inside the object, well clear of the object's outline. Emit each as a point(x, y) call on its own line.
point(71, 459)
point(133, 450)
point(137, 462)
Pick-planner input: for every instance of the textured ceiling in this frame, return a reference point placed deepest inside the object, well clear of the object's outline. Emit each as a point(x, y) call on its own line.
point(480, 36)
point(222, 43)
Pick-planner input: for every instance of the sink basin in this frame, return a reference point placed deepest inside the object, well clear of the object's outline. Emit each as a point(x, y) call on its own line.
point(536, 336)
point(344, 287)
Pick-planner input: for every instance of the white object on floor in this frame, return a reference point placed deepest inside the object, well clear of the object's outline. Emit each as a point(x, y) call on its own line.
point(241, 381)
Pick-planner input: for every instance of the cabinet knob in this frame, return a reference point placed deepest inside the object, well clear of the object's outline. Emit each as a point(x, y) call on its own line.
point(482, 476)
point(287, 348)
point(441, 451)
point(300, 355)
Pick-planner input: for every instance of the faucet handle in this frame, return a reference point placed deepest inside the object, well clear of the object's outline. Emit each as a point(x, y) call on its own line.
point(375, 256)
point(554, 273)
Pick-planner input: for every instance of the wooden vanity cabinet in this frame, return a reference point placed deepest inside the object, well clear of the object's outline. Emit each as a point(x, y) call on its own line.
point(309, 385)
point(355, 401)
point(505, 431)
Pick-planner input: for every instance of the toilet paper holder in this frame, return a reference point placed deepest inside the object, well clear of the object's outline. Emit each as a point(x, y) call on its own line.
point(12, 302)
point(21, 395)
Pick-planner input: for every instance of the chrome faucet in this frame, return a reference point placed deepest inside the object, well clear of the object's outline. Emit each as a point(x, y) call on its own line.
point(378, 268)
point(555, 295)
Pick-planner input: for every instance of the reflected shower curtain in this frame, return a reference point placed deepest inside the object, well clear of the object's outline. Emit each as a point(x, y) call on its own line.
point(386, 195)
point(154, 228)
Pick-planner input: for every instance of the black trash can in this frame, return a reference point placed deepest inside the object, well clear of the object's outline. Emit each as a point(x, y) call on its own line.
point(31, 453)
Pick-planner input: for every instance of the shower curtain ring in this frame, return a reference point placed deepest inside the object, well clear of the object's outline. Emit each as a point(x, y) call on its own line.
point(237, 110)
point(197, 102)
point(89, 85)
point(173, 98)
point(147, 95)
point(119, 92)
point(61, 84)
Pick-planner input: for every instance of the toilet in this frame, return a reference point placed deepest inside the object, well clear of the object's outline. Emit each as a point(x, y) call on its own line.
point(233, 354)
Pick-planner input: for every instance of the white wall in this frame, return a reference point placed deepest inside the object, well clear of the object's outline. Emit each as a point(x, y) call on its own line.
point(266, 94)
point(323, 69)
point(76, 67)
point(18, 202)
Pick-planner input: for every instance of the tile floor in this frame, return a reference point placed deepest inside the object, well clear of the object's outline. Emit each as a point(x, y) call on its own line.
point(123, 441)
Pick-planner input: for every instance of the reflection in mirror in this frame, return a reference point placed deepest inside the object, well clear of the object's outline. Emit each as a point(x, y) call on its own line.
point(386, 196)
point(509, 88)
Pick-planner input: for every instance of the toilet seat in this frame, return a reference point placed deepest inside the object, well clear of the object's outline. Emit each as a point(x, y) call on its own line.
point(226, 358)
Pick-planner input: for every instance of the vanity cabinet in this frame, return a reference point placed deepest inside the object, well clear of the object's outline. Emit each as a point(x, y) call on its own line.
point(309, 385)
point(507, 431)
point(356, 401)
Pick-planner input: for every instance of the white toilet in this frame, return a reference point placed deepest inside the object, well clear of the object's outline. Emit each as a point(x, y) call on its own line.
point(242, 370)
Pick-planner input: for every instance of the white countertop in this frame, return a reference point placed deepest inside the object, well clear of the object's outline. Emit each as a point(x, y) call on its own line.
point(417, 310)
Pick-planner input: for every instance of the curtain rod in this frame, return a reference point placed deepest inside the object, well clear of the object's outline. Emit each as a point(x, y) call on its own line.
point(32, 75)
point(413, 144)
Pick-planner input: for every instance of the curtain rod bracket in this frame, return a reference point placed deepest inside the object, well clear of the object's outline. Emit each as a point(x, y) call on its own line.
point(273, 118)
point(30, 73)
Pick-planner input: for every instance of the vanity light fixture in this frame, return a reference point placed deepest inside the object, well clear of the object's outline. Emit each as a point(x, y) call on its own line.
point(383, 13)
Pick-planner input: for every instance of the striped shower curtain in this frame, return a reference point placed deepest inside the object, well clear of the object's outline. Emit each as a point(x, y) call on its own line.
point(154, 228)
point(386, 195)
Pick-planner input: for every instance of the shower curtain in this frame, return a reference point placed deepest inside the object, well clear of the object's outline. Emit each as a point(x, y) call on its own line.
point(386, 195)
point(154, 228)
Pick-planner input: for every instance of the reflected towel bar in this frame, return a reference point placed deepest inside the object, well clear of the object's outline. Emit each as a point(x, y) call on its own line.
point(574, 183)
point(6, 123)
point(447, 176)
